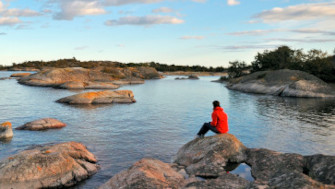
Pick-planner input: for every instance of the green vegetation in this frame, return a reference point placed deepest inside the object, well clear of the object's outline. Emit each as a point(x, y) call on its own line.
point(237, 69)
point(315, 62)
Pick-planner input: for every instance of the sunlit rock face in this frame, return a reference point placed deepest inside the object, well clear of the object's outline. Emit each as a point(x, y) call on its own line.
point(6, 131)
point(42, 124)
point(291, 83)
point(100, 97)
point(49, 166)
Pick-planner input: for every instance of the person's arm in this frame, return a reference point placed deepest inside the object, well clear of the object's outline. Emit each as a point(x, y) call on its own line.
point(214, 119)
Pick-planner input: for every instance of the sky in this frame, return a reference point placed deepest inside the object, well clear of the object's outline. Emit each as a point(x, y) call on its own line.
point(181, 32)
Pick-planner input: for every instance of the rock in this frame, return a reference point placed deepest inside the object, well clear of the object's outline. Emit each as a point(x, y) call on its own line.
point(192, 77)
point(88, 85)
point(50, 166)
point(128, 82)
point(4, 78)
point(207, 157)
point(225, 180)
point(321, 168)
point(6, 131)
point(221, 79)
point(285, 82)
point(100, 97)
point(42, 124)
point(267, 164)
point(20, 74)
point(146, 173)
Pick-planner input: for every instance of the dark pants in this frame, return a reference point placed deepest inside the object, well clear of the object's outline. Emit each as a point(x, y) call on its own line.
point(206, 127)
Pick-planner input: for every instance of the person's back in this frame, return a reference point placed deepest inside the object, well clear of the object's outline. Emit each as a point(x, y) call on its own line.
point(220, 120)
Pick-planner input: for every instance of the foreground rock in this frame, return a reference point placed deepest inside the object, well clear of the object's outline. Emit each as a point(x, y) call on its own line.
point(146, 173)
point(100, 97)
point(50, 166)
point(203, 163)
point(207, 158)
point(6, 131)
point(20, 74)
point(42, 124)
point(290, 83)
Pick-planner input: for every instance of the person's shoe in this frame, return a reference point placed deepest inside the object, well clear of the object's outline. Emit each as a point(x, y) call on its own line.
point(199, 136)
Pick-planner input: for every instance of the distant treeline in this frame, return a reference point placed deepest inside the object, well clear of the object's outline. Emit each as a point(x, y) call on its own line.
point(62, 63)
point(315, 62)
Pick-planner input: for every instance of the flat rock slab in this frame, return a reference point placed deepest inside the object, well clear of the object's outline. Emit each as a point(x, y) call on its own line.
point(88, 85)
point(146, 173)
point(42, 124)
point(50, 166)
point(6, 131)
point(20, 74)
point(100, 97)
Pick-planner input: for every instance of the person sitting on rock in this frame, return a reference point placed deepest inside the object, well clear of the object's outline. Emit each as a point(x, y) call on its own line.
point(219, 122)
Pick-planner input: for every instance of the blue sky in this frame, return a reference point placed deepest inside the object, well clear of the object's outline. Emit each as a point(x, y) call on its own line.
point(182, 32)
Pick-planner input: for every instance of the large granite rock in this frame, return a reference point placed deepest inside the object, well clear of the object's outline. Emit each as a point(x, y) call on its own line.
point(146, 173)
point(285, 82)
point(208, 157)
point(50, 166)
point(6, 131)
point(100, 97)
point(42, 124)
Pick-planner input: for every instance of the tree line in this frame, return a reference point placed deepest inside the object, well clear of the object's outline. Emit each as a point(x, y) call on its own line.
point(315, 62)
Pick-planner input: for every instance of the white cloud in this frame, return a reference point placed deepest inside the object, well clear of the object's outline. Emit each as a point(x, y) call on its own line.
point(7, 21)
point(313, 31)
point(3, 33)
point(19, 12)
point(199, 1)
point(123, 2)
point(162, 10)
point(192, 37)
point(312, 11)
point(144, 20)
point(233, 2)
point(254, 32)
point(81, 48)
point(71, 9)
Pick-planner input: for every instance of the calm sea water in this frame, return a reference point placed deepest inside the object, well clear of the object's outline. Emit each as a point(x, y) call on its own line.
point(167, 114)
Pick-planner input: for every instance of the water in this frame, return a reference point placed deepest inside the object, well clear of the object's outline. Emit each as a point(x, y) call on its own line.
point(167, 114)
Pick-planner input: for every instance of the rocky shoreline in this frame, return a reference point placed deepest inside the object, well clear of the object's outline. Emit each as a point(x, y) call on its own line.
point(201, 163)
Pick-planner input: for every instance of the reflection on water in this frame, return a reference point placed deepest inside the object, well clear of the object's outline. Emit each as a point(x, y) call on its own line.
point(167, 114)
point(243, 170)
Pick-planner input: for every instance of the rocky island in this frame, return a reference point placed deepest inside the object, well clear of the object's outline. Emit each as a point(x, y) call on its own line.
point(82, 78)
point(290, 83)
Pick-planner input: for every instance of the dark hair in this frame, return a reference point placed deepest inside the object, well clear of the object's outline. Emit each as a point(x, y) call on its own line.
point(216, 103)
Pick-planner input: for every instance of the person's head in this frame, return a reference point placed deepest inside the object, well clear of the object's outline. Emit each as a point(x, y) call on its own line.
point(216, 104)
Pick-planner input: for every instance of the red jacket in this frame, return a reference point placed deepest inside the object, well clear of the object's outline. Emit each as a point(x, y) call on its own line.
point(220, 120)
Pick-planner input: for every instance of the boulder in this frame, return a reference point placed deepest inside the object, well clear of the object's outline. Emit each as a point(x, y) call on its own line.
point(292, 83)
point(100, 97)
point(321, 168)
point(208, 157)
point(49, 166)
point(42, 124)
point(4, 78)
point(146, 173)
point(88, 85)
point(6, 131)
point(20, 74)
